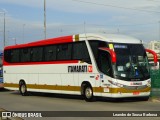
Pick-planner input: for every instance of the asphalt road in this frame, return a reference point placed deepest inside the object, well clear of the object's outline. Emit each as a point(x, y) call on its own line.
point(13, 101)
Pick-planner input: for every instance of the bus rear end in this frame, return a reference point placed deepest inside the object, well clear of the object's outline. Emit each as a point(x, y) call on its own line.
point(1, 71)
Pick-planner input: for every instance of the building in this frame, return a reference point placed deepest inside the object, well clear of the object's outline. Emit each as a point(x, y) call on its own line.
point(154, 45)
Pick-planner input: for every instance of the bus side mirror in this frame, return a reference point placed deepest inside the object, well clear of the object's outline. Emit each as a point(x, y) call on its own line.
point(155, 56)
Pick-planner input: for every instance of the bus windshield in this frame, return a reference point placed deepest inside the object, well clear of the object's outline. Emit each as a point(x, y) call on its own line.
point(132, 62)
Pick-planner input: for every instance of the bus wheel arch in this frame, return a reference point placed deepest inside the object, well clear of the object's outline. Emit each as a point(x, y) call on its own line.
point(87, 91)
point(23, 87)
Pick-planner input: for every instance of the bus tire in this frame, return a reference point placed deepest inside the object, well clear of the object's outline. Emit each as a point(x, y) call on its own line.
point(88, 93)
point(23, 88)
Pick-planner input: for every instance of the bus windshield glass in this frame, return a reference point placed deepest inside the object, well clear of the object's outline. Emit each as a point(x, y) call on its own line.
point(132, 62)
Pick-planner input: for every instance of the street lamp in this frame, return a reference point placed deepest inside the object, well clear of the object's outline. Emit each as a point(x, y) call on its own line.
point(4, 28)
point(15, 40)
point(45, 19)
point(23, 32)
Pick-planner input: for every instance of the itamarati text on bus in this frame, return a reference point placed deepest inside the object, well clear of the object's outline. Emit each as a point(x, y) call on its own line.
point(106, 65)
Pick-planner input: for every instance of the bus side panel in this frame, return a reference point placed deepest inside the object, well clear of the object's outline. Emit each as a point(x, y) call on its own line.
point(76, 78)
point(32, 82)
point(50, 82)
point(68, 84)
point(10, 78)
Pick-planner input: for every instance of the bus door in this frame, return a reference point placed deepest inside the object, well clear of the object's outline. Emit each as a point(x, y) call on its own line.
point(105, 60)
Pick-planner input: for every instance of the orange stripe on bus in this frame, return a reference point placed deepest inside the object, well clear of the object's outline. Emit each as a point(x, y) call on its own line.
point(76, 88)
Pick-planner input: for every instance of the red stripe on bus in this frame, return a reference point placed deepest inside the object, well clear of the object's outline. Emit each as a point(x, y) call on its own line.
point(65, 39)
point(40, 63)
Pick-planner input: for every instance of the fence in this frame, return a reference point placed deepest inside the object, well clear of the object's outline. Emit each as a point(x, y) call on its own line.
point(155, 82)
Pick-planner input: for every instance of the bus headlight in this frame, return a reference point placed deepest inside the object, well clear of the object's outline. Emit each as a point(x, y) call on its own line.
point(149, 83)
point(115, 83)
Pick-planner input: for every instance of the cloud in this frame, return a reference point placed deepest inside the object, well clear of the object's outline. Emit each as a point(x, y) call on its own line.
point(104, 17)
point(30, 3)
point(82, 5)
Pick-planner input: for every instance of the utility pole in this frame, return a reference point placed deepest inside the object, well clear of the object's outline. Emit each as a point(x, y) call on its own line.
point(23, 32)
point(45, 19)
point(15, 40)
point(4, 27)
point(159, 30)
point(84, 27)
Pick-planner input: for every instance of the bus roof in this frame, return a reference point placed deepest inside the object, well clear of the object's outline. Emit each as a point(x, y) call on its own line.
point(114, 38)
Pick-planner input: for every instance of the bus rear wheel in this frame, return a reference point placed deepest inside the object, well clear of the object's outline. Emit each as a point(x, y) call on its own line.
point(88, 93)
point(23, 88)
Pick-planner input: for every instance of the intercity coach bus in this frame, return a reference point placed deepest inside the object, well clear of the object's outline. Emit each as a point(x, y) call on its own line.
point(107, 65)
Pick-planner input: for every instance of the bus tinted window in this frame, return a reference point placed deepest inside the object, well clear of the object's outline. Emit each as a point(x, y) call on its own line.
point(80, 52)
point(50, 53)
point(104, 64)
point(36, 54)
point(64, 52)
point(95, 45)
point(67, 51)
point(15, 55)
point(102, 58)
point(7, 55)
point(25, 55)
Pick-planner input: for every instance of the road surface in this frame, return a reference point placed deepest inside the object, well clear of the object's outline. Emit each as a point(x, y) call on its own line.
point(13, 101)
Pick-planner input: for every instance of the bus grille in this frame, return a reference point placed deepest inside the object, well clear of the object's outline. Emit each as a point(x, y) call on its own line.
point(135, 87)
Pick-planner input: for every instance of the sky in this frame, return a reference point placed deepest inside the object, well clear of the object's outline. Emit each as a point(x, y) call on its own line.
point(25, 19)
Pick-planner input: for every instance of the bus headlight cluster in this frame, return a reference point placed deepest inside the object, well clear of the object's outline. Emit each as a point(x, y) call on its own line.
point(149, 83)
point(115, 83)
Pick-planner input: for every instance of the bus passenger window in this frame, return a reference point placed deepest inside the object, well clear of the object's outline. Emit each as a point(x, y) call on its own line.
point(64, 52)
point(37, 54)
point(7, 55)
point(80, 52)
point(25, 55)
point(15, 55)
point(50, 53)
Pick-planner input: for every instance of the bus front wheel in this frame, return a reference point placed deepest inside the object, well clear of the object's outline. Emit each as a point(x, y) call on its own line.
point(88, 93)
point(23, 88)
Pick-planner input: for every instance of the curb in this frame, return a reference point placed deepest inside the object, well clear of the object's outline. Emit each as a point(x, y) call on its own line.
point(154, 99)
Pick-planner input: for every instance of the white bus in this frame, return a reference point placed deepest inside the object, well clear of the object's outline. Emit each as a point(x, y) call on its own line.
point(107, 65)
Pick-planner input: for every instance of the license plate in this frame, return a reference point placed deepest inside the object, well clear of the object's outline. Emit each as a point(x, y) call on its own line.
point(136, 93)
